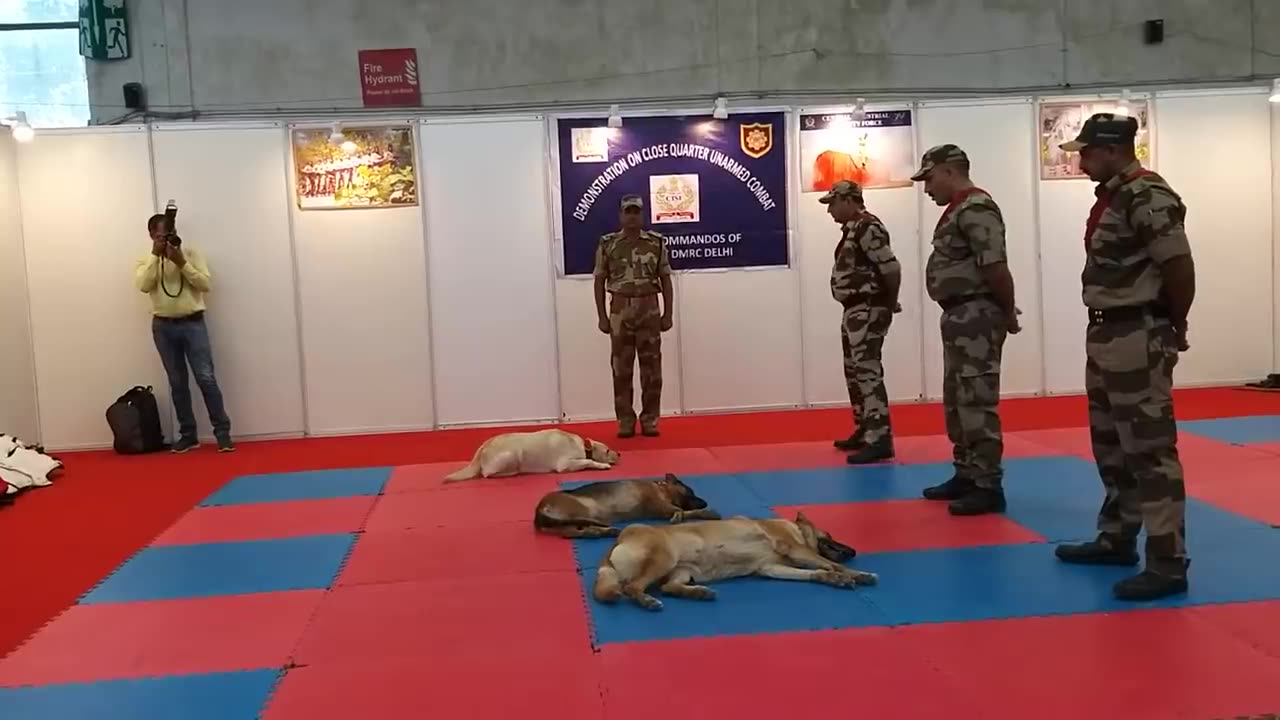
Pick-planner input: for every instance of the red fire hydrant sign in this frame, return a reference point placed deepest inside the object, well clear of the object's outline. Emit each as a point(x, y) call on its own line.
point(389, 77)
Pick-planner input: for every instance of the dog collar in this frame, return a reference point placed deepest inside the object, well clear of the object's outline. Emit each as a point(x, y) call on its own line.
point(586, 444)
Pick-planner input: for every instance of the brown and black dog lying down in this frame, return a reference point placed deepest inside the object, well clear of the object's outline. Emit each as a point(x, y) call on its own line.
point(679, 556)
point(589, 511)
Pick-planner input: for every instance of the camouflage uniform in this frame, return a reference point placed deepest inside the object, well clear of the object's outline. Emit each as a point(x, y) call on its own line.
point(1131, 349)
point(633, 270)
point(970, 235)
point(863, 258)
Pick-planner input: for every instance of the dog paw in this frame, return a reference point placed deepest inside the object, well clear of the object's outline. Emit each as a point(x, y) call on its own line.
point(678, 517)
point(649, 602)
point(866, 578)
point(701, 593)
point(835, 579)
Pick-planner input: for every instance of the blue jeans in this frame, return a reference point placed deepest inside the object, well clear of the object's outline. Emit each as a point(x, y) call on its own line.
point(187, 341)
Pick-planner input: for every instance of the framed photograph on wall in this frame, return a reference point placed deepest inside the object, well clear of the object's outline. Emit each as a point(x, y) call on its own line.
point(365, 167)
point(1060, 121)
point(876, 150)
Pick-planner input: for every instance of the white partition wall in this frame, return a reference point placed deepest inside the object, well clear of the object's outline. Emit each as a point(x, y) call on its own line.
point(1000, 140)
point(229, 186)
point(816, 237)
point(363, 301)
point(18, 415)
point(741, 339)
point(86, 197)
point(1214, 151)
point(491, 276)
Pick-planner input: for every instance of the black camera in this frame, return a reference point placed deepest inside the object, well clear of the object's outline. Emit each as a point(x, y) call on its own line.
point(170, 224)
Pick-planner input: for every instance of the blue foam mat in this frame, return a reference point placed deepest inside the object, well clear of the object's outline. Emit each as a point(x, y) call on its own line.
point(231, 568)
point(1055, 497)
point(1238, 430)
point(216, 696)
point(310, 485)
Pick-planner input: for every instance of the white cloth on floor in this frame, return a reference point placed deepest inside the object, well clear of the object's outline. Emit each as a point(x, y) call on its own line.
point(22, 466)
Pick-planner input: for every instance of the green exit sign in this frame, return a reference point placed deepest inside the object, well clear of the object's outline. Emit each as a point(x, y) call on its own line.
point(104, 30)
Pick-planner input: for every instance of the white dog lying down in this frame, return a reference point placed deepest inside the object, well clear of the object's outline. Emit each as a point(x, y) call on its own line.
point(541, 451)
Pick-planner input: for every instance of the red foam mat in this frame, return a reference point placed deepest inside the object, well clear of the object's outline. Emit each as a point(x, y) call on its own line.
point(172, 637)
point(1250, 488)
point(859, 673)
point(1254, 623)
point(478, 687)
point(264, 521)
point(1112, 666)
point(519, 616)
point(456, 552)
point(457, 507)
point(902, 525)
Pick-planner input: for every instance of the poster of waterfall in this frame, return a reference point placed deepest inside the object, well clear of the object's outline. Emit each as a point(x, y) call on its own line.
point(364, 167)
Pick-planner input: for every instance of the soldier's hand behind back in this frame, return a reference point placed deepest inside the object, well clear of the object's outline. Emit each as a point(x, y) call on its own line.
point(605, 326)
point(1180, 336)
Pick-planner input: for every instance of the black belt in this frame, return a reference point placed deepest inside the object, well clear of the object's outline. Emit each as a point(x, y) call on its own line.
point(955, 302)
point(198, 315)
point(1097, 316)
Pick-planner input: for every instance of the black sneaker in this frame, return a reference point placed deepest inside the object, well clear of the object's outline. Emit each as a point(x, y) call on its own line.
point(1148, 585)
point(978, 501)
point(226, 446)
point(1097, 552)
point(651, 431)
point(184, 445)
point(953, 489)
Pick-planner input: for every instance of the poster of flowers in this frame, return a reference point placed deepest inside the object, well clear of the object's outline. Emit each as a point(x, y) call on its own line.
point(364, 167)
point(1061, 122)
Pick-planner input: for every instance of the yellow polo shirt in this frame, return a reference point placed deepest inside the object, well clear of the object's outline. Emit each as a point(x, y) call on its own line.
point(189, 284)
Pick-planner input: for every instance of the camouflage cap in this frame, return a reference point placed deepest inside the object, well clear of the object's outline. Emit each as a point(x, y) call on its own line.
point(938, 155)
point(1103, 129)
point(632, 201)
point(842, 189)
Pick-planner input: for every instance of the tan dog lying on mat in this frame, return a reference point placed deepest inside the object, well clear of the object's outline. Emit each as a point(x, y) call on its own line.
point(589, 511)
point(542, 451)
point(678, 556)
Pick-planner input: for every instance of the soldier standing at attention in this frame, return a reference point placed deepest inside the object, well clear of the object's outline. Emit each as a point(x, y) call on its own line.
point(633, 266)
point(865, 280)
point(967, 274)
point(1138, 285)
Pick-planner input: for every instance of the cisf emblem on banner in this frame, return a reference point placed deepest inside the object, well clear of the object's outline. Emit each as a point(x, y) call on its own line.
point(756, 139)
point(673, 198)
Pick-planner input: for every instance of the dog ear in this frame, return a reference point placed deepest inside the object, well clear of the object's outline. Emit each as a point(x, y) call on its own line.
point(807, 530)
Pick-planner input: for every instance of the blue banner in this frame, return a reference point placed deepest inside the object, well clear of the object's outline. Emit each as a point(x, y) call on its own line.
point(715, 188)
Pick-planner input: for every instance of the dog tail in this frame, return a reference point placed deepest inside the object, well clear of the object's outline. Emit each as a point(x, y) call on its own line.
point(467, 472)
point(470, 470)
point(608, 588)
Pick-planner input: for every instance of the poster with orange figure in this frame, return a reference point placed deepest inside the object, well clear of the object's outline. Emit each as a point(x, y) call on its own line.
point(875, 150)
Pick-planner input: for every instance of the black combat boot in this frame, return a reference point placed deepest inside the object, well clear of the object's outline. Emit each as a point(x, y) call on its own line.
point(979, 501)
point(852, 443)
point(650, 431)
point(1149, 585)
point(1102, 551)
point(953, 489)
point(626, 430)
point(875, 452)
